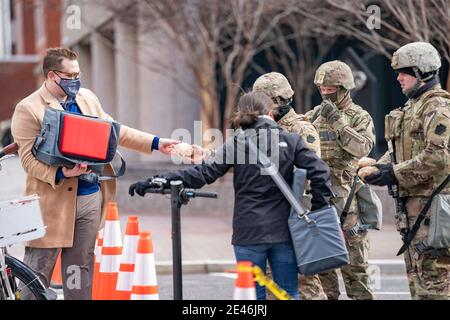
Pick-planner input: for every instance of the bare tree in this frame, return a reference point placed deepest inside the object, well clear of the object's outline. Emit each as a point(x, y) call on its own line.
point(401, 21)
point(217, 40)
point(298, 52)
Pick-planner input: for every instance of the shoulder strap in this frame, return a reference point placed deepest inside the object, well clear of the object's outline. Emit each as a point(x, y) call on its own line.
point(421, 217)
point(315, 115)
point(349, 201)
point(96, 178)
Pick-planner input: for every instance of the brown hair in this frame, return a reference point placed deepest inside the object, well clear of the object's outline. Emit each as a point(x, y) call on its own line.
point(250, 106)
point(54, 57)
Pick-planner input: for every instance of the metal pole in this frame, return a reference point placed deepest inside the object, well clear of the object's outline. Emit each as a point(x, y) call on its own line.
point(176, 187)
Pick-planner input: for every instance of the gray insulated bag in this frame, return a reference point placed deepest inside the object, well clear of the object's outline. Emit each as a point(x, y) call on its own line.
point(67, 139)
point(317, 237)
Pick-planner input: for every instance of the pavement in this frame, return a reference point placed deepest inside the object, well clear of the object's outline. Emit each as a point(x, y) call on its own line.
point(206, 242)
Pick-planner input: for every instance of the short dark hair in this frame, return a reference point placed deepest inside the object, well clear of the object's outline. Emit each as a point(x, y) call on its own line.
point(54, 57)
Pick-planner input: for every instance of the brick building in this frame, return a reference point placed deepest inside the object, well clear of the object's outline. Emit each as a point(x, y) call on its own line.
point(27, 28)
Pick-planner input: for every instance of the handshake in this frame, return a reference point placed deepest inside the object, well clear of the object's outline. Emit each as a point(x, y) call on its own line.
point(193, 152)
point(376, 174)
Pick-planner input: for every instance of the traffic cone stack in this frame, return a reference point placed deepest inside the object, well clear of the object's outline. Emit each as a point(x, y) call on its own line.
point(111, 253)
point(145, 286)
point(98, 255)
point(245, 284)
point(127, 262)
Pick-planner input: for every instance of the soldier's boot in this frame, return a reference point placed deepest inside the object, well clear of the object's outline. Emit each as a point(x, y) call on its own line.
point(355, 274)
point(330, 284)
point(311, 288)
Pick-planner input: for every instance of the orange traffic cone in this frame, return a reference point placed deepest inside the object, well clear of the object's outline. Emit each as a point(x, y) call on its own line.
point(145, 286)
point(56, 281)
point(111, 252)
point(98, 255)
point(245, 284)
point(126, 270)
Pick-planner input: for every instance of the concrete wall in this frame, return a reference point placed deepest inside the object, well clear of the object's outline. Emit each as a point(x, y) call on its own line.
point(123, 66)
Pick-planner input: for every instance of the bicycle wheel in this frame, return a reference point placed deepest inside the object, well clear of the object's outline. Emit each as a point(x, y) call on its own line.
point(21, 276)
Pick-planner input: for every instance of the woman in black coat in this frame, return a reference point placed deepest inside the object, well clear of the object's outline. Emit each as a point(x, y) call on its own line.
point(260, 220)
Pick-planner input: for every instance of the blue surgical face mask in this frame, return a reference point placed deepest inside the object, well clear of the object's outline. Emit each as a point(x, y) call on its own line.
point(69, 86)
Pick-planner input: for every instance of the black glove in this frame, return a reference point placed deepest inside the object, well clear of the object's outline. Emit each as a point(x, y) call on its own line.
point(330, 112)
point(158, 182)
point(384, 177)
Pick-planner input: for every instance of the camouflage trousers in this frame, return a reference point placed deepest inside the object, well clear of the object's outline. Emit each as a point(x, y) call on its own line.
point(355, 274)
point(429, 271)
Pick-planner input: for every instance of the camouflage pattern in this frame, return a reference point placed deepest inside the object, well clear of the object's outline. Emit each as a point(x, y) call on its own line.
point(430, 276)
point(421, 134)
point(343, 142)
point(297, 123)
point(355, 274)
point(311, 288)
point(420, 55)
point(335, 74)
point(274, 84)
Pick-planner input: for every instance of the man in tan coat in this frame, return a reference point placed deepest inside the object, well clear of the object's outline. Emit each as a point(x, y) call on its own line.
point(72, 208)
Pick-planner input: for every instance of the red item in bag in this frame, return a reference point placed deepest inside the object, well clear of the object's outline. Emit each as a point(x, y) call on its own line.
point(84, 137)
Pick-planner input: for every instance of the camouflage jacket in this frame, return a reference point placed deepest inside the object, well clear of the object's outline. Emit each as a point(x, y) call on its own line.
point(293, 122)
point(344, 142)
point(420, 132)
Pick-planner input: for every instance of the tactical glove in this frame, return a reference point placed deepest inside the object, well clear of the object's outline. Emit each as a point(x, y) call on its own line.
point(140, 187)
point(384, 177)
point(330, 112)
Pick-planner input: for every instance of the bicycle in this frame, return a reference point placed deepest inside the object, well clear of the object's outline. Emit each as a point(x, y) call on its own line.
point(20, 220)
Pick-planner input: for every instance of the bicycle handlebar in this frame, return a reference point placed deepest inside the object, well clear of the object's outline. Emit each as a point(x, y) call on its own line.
point(191, 193)
point(157, 190)
point(186, 193)
point(9, 149)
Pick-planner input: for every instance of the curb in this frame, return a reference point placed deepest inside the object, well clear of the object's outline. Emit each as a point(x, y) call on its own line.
point(383, 266)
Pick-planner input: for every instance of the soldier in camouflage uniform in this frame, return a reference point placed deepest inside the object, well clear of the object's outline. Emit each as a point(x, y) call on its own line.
point(277, 86)
point(420, 132)
point(346, 134)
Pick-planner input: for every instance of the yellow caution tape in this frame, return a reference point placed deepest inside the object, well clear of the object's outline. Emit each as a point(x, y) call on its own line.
point(263, 280)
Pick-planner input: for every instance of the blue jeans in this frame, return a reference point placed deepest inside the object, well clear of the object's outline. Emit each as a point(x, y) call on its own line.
point(282, 261)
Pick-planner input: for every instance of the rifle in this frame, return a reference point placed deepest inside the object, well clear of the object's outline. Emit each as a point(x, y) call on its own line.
point(401, 216)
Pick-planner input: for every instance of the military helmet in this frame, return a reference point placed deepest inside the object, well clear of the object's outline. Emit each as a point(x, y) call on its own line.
point(335, 73)
point(274, 85)
point(420, 55)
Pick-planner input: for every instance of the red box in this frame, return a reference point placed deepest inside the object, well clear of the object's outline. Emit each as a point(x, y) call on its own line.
point(84, 137)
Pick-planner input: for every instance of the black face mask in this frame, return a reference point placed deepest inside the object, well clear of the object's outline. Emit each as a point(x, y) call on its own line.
point(283, 110)
point(333, 97)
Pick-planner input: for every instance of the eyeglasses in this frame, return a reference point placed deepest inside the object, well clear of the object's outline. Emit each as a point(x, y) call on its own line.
point(73, 76)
